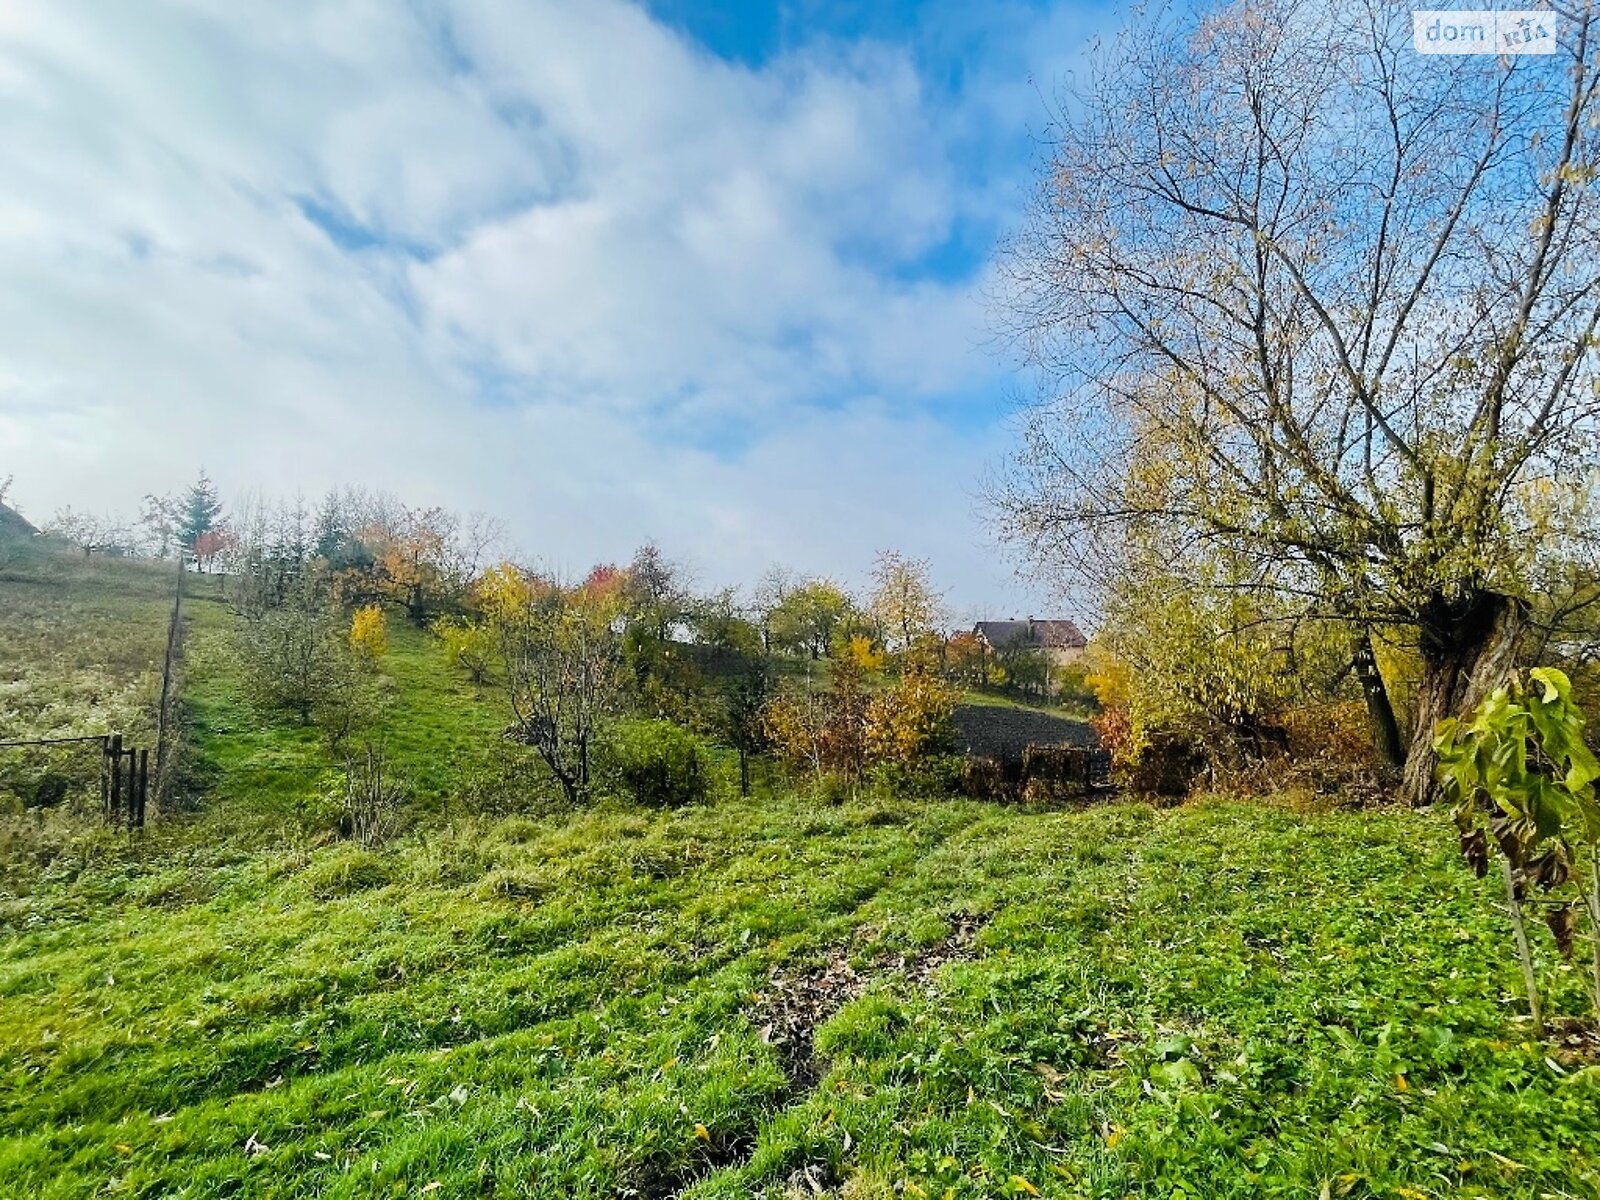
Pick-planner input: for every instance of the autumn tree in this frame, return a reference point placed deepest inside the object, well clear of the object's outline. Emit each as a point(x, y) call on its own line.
point(1346, 297)
point(904, 603)
point(561, 654)
point(468, 644)
point(822, 729)
point(369, 632)
point(911, 721)
point(411, 562)
point(212, 546)
point(658, 590)
point(1202, 654)
point(966, 659)
point(426, 558)
point(808, 616)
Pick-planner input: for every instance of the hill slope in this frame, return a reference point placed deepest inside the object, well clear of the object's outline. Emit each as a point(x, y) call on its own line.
point(890, 997)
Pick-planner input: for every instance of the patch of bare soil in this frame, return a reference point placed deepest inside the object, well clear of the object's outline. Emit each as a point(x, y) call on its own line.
point(788, 1011)
point(993, 731)
point(794, 1003)
point(1576, 1042)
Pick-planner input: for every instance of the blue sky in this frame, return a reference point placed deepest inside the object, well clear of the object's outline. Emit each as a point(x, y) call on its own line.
point(711, 273)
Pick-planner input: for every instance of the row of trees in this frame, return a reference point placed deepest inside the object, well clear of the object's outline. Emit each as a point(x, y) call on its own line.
point(789, 672)
point(573, 655)
point(639, 638)
point(190, 520)
point(356, 545)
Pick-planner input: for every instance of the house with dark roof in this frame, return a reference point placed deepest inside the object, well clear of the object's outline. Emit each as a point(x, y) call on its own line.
point(1061, 640)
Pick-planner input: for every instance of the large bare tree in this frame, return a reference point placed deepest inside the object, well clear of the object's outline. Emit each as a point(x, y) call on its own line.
point(1294, 289)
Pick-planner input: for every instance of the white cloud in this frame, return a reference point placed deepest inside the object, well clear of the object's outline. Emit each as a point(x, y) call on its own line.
point(617, 287)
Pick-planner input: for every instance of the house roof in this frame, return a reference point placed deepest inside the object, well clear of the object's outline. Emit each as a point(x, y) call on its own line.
point(1059, 634)
point(1052, 635)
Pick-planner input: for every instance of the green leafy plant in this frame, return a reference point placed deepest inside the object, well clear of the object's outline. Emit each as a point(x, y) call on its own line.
point(657, 763)
point(1520, 775)
point(469, 645)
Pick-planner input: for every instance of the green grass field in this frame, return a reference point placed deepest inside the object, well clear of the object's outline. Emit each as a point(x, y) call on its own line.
point(81, 647)
point(892, 997)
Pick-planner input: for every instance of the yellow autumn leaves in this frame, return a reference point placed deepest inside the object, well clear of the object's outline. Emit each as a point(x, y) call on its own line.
point(369, 632)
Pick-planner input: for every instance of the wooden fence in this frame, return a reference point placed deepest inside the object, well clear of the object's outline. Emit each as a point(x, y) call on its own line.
point(124, 775)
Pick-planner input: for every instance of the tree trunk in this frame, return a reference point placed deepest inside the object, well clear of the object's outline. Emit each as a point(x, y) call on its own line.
point(583, 768)
point(1469, 647)
point(1385, 728)
point(1591, 901)
point(744, 771)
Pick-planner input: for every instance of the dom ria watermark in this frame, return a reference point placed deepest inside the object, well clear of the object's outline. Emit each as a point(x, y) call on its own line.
point(1483, 31)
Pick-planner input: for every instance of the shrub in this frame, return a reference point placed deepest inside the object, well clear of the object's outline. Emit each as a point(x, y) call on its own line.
point(374, 800)
point(508, 779)
point(821, 732)
point(865, 655)
point(296, 660)
point(1168, 764)
point(935, 775)
point(1113, 725)
point(911, 721)
point(657, 763)
point(469, 645)
point(832, 788)
point(369, 633)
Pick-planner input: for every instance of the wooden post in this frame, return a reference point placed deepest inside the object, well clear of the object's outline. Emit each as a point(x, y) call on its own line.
point(105, 776)
point(114, 756)
point(144, 789)
point(174, 637)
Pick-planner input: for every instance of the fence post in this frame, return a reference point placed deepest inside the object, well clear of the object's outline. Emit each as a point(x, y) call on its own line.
point(114, 756)
point(105, 775)
point(144, 789)
point(174, 636)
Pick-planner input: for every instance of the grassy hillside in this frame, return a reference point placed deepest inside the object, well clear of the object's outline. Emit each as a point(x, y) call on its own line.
point(81, 643)
point(440, 730)
point(890, 997)
point(1220, 1000)
point(81, 646)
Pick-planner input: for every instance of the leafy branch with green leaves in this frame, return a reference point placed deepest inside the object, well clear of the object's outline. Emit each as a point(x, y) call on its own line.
point(1519, 774)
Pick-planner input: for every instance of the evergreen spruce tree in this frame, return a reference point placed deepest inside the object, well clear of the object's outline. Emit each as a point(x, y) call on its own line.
point(201, 511)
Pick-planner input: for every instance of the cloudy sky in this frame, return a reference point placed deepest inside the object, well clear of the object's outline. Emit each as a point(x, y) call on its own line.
point(704, 271)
